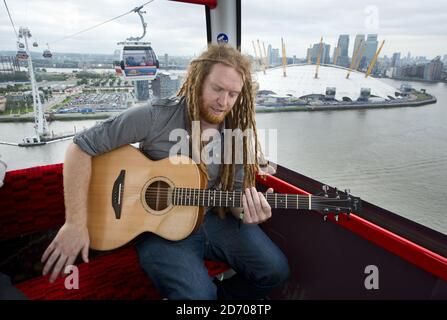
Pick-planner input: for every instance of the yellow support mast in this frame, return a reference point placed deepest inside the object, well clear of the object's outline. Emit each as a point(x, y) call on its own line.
point(260, 59)
point(266, 57)
point(354, 57)
point(256, 54)
point(284, 58)
point(318, 57)
point(374, 60)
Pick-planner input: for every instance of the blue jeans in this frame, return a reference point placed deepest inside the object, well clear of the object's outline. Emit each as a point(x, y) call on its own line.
point(177, 267)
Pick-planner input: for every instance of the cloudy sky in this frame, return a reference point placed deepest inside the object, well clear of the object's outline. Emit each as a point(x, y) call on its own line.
point(179, 29)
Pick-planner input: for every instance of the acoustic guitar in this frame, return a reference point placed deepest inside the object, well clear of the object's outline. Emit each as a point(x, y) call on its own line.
point(130, 194)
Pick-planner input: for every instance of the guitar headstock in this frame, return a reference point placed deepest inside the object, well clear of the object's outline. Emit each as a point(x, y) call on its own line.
point(337, 202)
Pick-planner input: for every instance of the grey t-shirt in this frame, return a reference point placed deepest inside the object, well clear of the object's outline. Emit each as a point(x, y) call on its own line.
point(151, 126)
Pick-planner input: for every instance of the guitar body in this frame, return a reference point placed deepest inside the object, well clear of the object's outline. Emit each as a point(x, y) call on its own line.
point(130, 194)
point(131, 180)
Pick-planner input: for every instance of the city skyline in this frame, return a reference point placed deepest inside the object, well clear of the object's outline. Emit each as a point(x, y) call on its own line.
point(423, 36)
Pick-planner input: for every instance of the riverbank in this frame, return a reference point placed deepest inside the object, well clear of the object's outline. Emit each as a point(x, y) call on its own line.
point(61, 117)
point(259, 109)
point(349, 106)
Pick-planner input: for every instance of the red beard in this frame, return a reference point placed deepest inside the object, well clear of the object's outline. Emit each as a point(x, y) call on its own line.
point(207, 115)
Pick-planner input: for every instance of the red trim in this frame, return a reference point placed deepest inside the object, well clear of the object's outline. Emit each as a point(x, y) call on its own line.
point(210, 3)
point(407, 250)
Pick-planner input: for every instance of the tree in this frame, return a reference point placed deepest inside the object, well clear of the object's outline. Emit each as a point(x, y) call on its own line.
point(22, 105)
point(82, 81)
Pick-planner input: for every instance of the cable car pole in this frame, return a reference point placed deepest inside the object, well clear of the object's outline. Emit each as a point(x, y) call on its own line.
point(40, 124)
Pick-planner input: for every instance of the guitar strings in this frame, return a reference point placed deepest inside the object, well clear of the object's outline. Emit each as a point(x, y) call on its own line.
point(188, 195)
point(201, 193)
point(204, 198)
point(279, 198)
point(192, 191)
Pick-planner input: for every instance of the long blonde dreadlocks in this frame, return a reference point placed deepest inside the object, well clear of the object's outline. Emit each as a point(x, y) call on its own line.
point(242, 115)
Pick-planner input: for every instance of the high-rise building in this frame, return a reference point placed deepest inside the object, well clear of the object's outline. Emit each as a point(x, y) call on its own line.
point(358, 39)
point(412, 71)
point(335, 55)
point(433, 70)
point(166, 61)
point(395, 60)
point(325, 55)
point(325, 52)
point(309, 55)
point(343, 45)
point(269, 54)
point(165, 85)
point(275, 57)
point(371, 48)
point(142, 90)
point(272, 56)
point(359, 43)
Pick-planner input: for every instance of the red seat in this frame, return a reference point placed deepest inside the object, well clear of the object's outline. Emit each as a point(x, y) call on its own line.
point(32, 201)
point(114, 276)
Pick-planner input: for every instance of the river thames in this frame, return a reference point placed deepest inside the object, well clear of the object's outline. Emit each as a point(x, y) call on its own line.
point(395, 158)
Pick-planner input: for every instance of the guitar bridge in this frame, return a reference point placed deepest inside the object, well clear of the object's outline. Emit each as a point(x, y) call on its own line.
point(117, 194)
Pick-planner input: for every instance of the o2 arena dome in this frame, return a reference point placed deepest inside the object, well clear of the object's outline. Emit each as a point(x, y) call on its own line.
point(331, 84)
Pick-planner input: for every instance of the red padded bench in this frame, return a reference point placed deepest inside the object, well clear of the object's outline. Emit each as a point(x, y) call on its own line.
point(31, 200)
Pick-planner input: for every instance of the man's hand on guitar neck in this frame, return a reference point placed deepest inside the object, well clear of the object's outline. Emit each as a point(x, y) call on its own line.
point(256, 207)
point(65, 247)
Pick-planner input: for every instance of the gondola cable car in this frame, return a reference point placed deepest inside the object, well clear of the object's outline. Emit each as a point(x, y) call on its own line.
point(138, 60)
point(21, 53)
point(47, 53)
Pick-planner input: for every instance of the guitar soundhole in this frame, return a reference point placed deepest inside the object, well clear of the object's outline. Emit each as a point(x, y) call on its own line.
point(157, 195)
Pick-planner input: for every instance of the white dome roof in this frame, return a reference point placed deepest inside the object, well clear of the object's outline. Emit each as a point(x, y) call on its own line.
point(300, 81)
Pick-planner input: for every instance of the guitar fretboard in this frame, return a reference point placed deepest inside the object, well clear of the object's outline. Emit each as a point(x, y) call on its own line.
point(217, 198)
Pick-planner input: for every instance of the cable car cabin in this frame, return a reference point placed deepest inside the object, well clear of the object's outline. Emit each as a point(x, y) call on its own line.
point(138, 61)
point(21, 55)
point(47, 54)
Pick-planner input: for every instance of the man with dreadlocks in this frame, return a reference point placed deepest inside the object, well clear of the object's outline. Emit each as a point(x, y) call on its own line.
point(217, 95)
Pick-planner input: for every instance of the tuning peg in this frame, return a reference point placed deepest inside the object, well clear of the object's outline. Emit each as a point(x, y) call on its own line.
point(336, 192)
